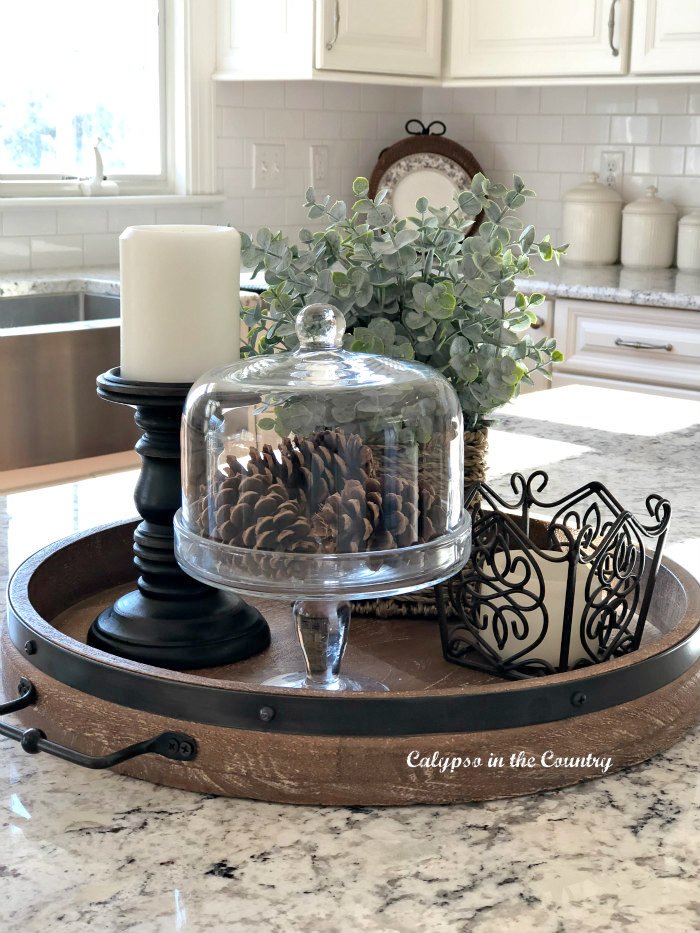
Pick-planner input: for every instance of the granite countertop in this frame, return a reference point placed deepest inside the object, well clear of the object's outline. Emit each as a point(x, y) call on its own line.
point(100, 280)
point(85, 850)
point(661, 288)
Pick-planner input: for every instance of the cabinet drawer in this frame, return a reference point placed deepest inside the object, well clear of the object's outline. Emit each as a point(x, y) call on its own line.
point(653, 346)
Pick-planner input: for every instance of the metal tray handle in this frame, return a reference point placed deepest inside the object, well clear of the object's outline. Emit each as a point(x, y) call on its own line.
point(174, 745)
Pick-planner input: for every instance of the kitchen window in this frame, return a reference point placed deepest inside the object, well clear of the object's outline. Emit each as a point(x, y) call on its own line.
point(75, 73)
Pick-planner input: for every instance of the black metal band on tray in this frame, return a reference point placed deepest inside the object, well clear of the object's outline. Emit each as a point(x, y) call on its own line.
point(550, 699)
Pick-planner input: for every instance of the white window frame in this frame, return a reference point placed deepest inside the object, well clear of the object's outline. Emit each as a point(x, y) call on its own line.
point(187, 63)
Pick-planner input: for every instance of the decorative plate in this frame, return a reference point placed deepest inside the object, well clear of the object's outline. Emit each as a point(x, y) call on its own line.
point(423, 164)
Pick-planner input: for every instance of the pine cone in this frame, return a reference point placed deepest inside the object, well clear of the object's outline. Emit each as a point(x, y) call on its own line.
point(343, 524)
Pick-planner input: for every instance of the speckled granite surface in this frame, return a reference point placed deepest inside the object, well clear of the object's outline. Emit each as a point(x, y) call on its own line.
point(659, 288)
point(96, 281)
point(83, 850)
point(663, 288)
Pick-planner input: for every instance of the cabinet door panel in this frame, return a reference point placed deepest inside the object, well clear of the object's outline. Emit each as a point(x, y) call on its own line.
point(512, 38)
point(401, 37)
point(666, 36)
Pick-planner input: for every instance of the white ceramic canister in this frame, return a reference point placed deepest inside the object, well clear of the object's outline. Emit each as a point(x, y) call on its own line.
point(688, 252)
point(592, 219)
point(649, 232)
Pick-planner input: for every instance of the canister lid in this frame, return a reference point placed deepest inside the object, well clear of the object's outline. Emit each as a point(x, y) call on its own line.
point(592, 192)
point(649, 203)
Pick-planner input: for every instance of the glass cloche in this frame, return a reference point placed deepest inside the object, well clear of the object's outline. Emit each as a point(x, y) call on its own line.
point(322, 476)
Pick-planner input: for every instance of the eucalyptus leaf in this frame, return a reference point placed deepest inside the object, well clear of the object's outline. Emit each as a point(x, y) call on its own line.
point(429, 287)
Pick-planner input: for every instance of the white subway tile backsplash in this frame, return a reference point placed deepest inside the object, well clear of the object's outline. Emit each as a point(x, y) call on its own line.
point(635, 186)
point(376, 98)
point(262, 95)
point(474, 100)
point(659, 160)
point(229, 93)
point(518, 100)
point(340, 96)
point(325, 124)
point(119, 218)
point(692, 167)
point(539, 129)
point(100, 249)
point(553, 136)
point(496, 129)
point(437, 100)
point(662, 98)
point(681, 131)
point(683, 192)
point(635, 129)
point(56, 252)
point(303, 95)
point(285, 124)
point(518, 157)
point(563, 100)
point(82, 220)
point(460, 126)
point(546, 185)
point(409, 100)
point(263, 212)
point(14, 254)
point(611, 99)
point(178, 215)
point(358, 126)
point(584, 129)
point(28, 222)
point(229, 152)
point(561, 158)
point(239, 122)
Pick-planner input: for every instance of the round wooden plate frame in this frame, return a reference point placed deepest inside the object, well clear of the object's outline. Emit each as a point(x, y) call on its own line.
point(241, 739)
point(427, 142)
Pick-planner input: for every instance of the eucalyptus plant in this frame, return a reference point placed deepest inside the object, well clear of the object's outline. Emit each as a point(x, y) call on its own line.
point(423, 287)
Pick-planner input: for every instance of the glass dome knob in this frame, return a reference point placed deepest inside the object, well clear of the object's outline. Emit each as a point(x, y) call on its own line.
point(320, 327)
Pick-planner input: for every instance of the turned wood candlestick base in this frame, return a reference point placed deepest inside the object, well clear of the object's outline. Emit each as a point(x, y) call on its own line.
point(170, 620)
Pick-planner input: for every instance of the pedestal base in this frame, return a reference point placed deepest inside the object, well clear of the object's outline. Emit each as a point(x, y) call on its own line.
point(210, 631)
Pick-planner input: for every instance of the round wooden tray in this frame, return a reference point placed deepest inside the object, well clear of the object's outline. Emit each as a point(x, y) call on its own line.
point(355, 749)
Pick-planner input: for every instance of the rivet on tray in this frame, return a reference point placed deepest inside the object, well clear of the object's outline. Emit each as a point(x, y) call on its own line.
point(578, 699)
point(30, 647)
point(267, 713)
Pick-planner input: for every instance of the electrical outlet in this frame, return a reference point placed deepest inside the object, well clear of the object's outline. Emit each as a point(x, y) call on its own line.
point(611, 164)
point(268, 166)
point(319, 165)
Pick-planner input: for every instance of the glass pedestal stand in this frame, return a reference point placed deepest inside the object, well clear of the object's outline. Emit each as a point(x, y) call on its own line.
point(322, 629)
point(328, 583)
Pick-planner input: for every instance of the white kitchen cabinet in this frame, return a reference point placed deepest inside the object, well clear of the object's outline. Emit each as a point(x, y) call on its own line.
point(643, 346)
point(397, 37)
point(290, 39)
point(513, 38)
point(666, 37)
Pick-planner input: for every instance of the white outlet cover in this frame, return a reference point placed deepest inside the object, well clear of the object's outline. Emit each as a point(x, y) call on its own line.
point(611, 169)
point(319, 160)
point(268, 166)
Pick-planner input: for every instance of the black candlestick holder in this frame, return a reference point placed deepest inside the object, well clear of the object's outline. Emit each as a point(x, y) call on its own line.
point(170, 620)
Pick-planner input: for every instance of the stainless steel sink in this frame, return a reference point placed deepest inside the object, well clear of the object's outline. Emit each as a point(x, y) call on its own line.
point(52, 347)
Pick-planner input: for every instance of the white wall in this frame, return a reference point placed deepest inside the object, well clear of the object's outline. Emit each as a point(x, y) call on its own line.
point(552, 136)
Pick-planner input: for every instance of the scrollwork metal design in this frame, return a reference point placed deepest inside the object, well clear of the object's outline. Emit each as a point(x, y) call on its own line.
point(501, 618)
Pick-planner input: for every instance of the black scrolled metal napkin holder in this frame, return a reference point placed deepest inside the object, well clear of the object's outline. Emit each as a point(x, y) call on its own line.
point(600, 562)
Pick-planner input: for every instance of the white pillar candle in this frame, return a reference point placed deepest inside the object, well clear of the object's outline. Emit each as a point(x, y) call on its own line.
point(549, 649)
point(180, 304)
